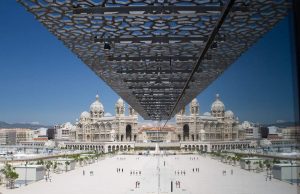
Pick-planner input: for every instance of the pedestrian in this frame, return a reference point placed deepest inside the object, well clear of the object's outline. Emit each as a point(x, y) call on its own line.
point(122, 169)
point(193, 170)
point(83, 172)
point(231, 172)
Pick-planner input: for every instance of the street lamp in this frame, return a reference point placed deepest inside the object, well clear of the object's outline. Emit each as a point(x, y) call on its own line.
point(291, 171)
point(26, 173)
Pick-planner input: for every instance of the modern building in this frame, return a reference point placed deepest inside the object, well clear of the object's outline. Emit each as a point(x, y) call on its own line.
point(65, 164)
point(62, 132)
point(287, 172)
point(252, 130)
point(15, 135)
point(30, 173)
point(291, 133)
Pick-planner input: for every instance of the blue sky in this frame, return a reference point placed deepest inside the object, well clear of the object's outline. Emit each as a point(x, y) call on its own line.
point(42, 81)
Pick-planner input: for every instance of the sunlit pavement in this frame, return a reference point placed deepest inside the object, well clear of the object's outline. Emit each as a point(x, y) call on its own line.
point(106, 179)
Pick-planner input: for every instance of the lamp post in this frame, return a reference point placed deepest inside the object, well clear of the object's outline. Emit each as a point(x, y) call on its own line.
point(291, 172)
point(26, 173)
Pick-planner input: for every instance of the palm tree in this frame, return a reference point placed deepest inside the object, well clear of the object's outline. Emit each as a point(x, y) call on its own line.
point(48, 166)
point(234, 160)
point(54, 166)
point(10, 175)
point(80, 161)
point(248, 163)
point(40, 162)
point(260, 164)
point(67, 163)
point(229, 159)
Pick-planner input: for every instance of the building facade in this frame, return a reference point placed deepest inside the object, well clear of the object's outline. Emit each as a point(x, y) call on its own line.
point(96, 126)
point(216, 125)
point(15, 135)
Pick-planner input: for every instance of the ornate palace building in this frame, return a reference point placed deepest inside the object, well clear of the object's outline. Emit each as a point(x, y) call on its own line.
point(217, 125)
point(95, 126)
point(217, 129)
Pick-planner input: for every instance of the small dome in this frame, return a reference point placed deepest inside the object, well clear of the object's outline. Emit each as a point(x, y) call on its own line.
point(217, 105)
point(120, 102)
point(206, 114)
point(85, 115)
point(194, 102)
point(96, 106)
point(246, 125)
point(229, 114)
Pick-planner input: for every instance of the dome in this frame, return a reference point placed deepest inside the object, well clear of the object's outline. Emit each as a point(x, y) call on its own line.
point(96, 106)
point(206, 114)
point(246, 125)
point(194, 102)
point(229, 114)
point(85, 115)
point(217, 105)
point(120, 102)
point(202, 131)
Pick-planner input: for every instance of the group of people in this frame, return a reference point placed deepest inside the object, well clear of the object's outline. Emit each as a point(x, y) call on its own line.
point(177, 183)
point(91, 173)
point(195, 169)
point(224, 172)
point(135, 172)
point(48, 178)
point(121, 158)
point(119, 170)
point(179, 172)
point(194, 158)
point(137, 184)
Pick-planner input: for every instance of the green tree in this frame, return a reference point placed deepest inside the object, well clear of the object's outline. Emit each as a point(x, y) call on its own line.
point(54, 166)
point(67, 163)
point(248, 162)
point(48, 167)
point(10, 175)
point(40, 162)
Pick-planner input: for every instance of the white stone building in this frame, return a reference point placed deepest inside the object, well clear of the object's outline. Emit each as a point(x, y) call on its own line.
point(217, 125)
point(252, 131)
point(95, 126)
point(62, 132)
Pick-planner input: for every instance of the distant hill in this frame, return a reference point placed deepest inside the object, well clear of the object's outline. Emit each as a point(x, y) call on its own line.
point(284, 124)
point(22, 125)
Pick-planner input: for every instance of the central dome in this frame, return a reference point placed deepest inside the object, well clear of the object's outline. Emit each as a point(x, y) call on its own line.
point(97, 106)
point(218, 105)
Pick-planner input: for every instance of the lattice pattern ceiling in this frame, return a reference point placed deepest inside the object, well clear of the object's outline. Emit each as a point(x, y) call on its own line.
point(156, 43)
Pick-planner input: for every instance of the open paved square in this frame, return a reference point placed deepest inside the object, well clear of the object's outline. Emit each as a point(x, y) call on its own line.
point(155, 175)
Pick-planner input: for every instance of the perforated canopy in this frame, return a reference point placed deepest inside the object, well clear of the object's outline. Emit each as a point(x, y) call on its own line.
point(156, 54)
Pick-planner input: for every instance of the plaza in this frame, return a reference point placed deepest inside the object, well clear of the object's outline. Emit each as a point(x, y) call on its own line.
point(144, 169)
